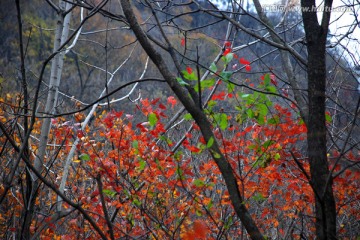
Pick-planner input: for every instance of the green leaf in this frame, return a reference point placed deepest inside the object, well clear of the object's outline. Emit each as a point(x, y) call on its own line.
point(262, 108)
point(142, 165)
point(223, 121)
point(271, 89)
point(181, 81)
point(252, 146)
point(229, 57)
point(230, 87)
point(277, 156)
point(228, 223)
point(109, 192)
point(189, 76)
point(215, 154)
point(252, 99)
point(240, 118)
point(267, 79)
point(84, 157)
point(136, 202)
point(274, 121)
point(238, 108)
point(211, 103)
point(205, 84)
point(250, 113)
point(152, 119)
point(259, 197)
point(226, 75)
point(178, 155)
point(209, 205)
point(328, 118)
point(201, 146)
point(199, 183)
point(127, 193)
point(213, 68)
point(260, 119)
point(135, 144)
point(188, 116)
point(210, 142)
point(198, 212)
point(268, 143)
point(179, 173)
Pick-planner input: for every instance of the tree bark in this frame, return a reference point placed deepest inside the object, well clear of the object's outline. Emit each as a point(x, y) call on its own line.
point(316, 34)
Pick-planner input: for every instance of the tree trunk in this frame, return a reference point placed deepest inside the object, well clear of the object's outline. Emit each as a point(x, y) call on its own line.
point(201, 120)
point(61, 34)
point(325, 208)
point(32, 184)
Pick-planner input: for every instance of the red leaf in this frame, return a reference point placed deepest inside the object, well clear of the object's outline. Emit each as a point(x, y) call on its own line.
point(141, 127)
point(248, 68)
point(200, 230)
point(145, 102)
point(80, 134)
point(195, 149)
point(162, 106)
point(183, 42)
point(243, 61)
point(189, 70)
point(219, 96)
point(227, 44)
point(273, 79)
point(118, 114)
point(155, 101)
point(227, 51)
point(171, 100)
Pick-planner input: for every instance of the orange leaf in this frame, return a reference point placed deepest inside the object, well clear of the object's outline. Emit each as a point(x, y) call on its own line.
point(200, 230)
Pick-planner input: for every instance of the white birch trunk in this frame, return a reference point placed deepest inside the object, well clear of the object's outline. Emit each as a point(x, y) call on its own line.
point(61, 35)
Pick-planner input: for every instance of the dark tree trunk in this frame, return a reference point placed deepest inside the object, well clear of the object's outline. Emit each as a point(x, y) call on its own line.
point(201, 120)
point(325, 208)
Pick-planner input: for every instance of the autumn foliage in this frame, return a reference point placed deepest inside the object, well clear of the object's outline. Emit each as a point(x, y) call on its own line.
point(150, 190)
point(145, 169)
